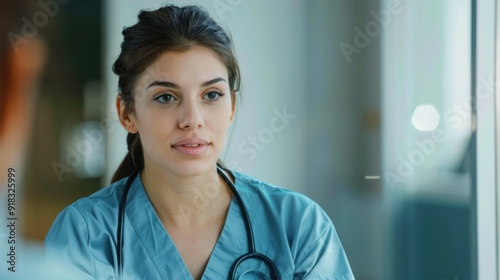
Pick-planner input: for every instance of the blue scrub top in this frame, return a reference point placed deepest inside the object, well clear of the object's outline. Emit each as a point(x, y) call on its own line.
point(288, 227)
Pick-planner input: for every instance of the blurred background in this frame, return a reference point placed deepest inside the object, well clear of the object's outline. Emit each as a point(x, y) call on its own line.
point(382, 111)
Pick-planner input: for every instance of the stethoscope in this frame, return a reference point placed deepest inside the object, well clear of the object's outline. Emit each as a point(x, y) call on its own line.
point(252, 254)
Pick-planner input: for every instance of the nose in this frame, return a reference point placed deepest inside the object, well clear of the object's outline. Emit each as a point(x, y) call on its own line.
point(190, 116)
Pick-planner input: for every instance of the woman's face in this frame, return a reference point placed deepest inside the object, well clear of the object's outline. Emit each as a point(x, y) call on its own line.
point(182, 111)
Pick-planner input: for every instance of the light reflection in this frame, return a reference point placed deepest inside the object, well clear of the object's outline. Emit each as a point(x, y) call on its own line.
point(425, 118)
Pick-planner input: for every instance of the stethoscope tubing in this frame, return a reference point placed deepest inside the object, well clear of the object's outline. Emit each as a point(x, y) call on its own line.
point(248, 226)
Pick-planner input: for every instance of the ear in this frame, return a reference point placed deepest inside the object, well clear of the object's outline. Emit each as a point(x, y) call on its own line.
point(126, 118)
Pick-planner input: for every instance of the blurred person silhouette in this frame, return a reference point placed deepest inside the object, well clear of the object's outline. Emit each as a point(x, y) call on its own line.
point(22, 60)
point(20, 67)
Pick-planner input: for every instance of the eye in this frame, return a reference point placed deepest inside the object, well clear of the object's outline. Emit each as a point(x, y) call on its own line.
point(213, 95)
point(165, 98)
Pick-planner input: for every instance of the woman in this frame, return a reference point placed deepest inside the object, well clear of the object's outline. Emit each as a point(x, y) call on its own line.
point(178, 80)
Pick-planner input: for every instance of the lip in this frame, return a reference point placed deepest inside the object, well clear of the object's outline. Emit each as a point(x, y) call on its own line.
point(191, 141)
point(184, 147)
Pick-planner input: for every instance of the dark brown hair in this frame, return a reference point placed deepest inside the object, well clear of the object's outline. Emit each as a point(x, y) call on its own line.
point(169, 28)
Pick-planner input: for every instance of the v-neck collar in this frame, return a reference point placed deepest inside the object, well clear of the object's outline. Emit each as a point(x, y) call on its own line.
point(160, 248)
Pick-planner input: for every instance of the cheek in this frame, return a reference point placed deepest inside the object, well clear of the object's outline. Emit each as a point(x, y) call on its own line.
point(154, 125)
point(220, 116)
point(227, 109)
point(221, 124)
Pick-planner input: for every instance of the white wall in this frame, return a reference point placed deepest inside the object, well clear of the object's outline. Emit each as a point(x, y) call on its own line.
point(426, 58)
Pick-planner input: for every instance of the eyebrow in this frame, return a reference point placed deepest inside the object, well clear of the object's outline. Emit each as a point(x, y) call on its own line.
point(174, 85)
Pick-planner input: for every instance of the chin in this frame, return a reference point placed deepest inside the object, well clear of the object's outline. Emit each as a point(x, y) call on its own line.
point(192, 167)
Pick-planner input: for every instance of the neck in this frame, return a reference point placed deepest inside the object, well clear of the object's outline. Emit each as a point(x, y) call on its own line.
point(187, 201)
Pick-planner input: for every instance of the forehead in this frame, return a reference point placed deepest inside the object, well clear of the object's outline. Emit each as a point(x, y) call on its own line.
point(197, 64)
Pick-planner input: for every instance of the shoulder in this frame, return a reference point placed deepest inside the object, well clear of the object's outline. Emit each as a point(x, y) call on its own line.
point(81, 231)
point(283, 204)
point(306, 234)
point(99, 208)
point(272, 194)
point(104, 200)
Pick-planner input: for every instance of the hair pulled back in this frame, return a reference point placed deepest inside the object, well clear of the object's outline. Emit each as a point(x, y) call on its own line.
point(169, 28)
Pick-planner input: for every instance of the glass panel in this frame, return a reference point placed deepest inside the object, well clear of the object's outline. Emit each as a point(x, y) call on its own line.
point(426, 136)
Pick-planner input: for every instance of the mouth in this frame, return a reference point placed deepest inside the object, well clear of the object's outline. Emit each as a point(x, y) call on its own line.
point(191, 146)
